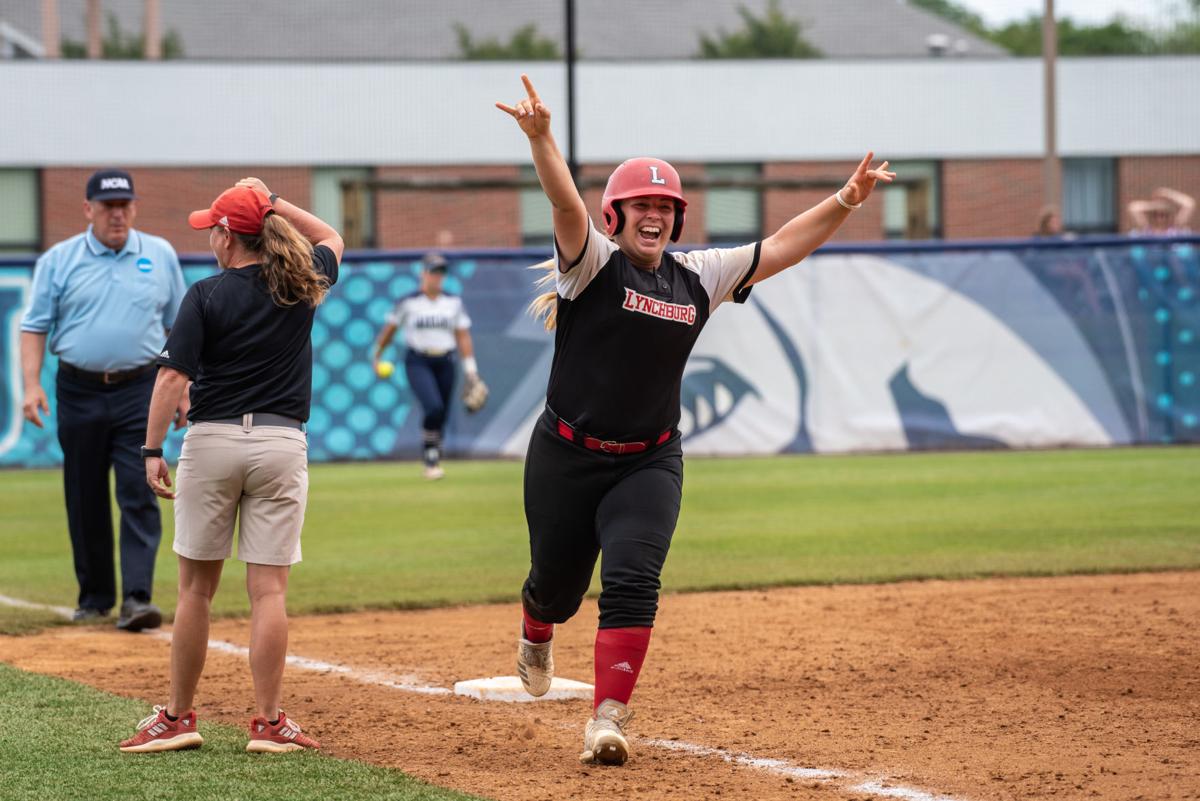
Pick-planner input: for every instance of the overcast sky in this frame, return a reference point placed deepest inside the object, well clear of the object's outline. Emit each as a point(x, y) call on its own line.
point(998, 11)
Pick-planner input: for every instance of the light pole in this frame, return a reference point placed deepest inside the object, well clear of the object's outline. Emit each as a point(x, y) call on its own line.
point(1051, 168)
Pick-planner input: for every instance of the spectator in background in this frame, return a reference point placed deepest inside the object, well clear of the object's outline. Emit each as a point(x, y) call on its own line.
point(106, 299)
point(1068, 270)
point(1166, 213)
point(1049, 224)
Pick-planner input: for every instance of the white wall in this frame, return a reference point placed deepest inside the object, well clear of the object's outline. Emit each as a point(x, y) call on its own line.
point(261, 113)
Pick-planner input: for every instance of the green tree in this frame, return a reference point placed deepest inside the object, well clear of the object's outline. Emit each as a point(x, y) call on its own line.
point(119, 44)
point(771, 36)
point(1117, 37)
point(524, 45)
point(1184, 37)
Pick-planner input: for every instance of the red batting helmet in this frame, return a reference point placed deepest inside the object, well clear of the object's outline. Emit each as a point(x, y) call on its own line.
point(642, 177)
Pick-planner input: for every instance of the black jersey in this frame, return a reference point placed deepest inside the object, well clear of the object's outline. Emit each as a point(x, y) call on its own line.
point(243, 352)
point(624, 334)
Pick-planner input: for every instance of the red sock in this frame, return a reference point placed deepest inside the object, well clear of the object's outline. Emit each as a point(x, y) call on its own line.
point(619, 657)
point(535, 630)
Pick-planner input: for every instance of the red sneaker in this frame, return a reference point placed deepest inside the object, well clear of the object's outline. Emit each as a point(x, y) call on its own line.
point(277, 738)
point(159, 733)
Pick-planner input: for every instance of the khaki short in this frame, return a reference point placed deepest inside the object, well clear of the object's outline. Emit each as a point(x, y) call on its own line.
point(259, 475)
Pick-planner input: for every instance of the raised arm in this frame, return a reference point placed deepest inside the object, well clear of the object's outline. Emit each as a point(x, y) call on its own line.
point(570, 213)
point(1185, 204)
point(1139, 211)
point(806, 232)
point(310, 226)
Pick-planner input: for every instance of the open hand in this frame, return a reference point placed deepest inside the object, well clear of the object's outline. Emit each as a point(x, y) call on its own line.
point(530, 113)
point(860, 185)
point(256, 184)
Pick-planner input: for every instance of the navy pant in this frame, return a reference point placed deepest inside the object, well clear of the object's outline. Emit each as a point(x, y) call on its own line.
point(102, 427)
point(580, 504)
point(432, 381)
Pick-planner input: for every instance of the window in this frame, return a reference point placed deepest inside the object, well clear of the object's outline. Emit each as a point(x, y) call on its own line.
point(733, 215)
point(356, 224)
point(537, 222)
point(21, 223)
point(1088, 195)
point(912, 207)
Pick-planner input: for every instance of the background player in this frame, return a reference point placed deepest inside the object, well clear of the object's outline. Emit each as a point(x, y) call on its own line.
point(604, 471)
point(245, 337)
point(435, 324)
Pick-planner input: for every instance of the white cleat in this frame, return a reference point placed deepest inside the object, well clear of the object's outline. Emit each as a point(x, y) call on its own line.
point(434, 473)
point(604, 740)
point(535, 665)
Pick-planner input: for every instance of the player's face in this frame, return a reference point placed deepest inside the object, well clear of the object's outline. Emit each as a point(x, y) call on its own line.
point(111, 220)
point(431, 282)
point(647, 229)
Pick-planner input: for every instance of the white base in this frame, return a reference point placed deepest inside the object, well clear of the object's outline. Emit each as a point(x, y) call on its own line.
point(510, 690)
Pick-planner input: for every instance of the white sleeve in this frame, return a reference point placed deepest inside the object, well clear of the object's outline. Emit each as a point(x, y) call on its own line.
point(462, 320)
point(397, 314)
point(573, 278)
point(724, 272)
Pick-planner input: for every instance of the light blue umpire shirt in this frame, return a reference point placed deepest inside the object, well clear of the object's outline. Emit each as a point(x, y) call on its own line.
point(104, 310)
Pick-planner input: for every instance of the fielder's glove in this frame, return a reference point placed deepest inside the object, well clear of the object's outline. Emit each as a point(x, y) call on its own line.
point(475, 392)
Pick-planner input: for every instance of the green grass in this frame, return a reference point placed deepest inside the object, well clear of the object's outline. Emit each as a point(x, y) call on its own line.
point(58, 740)
point(377, 535)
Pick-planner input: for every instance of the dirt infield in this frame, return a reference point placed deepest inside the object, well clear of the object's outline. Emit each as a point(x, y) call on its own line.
point(1082, 687)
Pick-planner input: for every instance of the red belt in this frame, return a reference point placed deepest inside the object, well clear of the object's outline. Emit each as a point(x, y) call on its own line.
point(607, 445)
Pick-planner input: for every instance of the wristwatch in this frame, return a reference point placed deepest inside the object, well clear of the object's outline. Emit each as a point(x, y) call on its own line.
point(271, 198)
point(151, 452)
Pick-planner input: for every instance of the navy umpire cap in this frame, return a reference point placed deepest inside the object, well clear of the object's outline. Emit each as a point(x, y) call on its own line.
point(434, 263)
point(110, 185)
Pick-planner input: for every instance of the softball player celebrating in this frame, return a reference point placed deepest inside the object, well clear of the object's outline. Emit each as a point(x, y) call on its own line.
point(243, 337)
point(604, 471)
point(435, 325)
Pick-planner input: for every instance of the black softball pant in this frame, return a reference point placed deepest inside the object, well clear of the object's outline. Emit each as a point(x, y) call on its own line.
point(580, 504)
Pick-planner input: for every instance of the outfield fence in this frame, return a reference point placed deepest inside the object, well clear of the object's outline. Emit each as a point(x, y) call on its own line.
point(891, 346)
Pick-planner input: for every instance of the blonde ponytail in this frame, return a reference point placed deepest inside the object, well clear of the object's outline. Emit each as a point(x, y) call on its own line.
point(287, 263)
point(545, 305)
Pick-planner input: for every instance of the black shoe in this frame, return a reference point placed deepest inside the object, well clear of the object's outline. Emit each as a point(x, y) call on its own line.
point(137, 615)
point(88, 615)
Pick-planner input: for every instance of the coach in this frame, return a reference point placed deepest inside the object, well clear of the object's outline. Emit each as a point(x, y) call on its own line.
point(105, 298)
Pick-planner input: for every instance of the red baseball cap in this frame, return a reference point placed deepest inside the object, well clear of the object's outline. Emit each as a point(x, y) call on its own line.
point(240, 209)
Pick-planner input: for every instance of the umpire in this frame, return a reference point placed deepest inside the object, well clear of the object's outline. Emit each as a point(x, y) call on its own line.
point(105, 299)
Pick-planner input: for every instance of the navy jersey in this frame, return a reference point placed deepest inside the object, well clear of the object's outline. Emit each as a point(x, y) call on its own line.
point(624, 333)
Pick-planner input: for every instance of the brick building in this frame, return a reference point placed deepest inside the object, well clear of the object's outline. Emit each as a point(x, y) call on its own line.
point(966, 133)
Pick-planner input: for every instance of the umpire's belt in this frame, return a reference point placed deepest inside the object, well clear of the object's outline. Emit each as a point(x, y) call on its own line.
point(107, 376)
point(567, 432)
point(259, 419)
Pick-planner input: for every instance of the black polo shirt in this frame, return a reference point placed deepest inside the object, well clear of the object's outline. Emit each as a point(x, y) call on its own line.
point(243, 352)
point(624, 334)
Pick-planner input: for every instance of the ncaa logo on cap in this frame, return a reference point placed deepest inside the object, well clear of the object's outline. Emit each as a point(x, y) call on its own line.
point(110, 185)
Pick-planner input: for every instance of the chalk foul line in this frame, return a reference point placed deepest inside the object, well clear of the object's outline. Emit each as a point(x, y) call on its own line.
point(879, 787)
